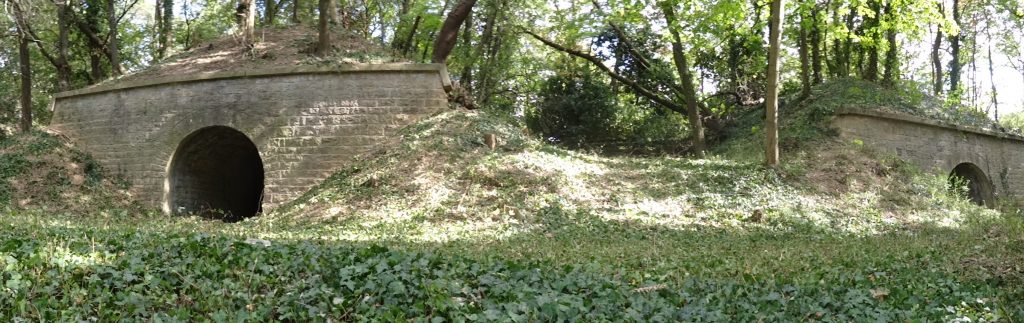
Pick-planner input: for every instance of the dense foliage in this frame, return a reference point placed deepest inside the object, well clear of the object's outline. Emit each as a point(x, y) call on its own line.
point(721, 43)
point(61, 268)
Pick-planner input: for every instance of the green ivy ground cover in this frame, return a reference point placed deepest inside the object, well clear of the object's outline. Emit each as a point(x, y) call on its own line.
point(114, 267)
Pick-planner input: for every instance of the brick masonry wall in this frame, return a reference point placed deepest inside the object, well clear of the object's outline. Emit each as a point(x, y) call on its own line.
point(938, 148)
point(306, 123)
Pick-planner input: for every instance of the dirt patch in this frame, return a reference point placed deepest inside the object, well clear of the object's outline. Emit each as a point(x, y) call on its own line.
point(840, 169)
point(44, 170)
point(276, 47)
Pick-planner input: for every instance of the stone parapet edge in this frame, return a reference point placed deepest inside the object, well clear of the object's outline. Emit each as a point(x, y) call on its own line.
point(442, 71)
point(926, 122)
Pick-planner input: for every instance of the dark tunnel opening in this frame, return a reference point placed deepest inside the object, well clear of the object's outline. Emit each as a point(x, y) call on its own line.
point(216, 172)
point(978, 187)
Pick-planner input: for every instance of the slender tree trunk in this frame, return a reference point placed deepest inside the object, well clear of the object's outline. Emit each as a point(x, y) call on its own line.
point(332, 12)
point(25, 65)
point(937, 70)
point(870, 72)
point(772, 97)
point(816, 47)
point(847, 49)
point(246, 13)
point(892, 64)
point(407, 44)
point(113, 45)
point(835, 64)
point(96, 51)
point(61, 62)
point(805, 60)
point(448, 35)
point(323, 46)
point(490, 48)
point(974, 69)
point(689, 89)
point(466, 79)
point(166, 27)
point(954, 63)
point(296, 4)
point(992, 81)
point(158, 27)
point(486, 38)
point(396, 42)
point(270, 12)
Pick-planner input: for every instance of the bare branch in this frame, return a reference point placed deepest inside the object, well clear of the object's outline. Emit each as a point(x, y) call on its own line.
point(647, 93)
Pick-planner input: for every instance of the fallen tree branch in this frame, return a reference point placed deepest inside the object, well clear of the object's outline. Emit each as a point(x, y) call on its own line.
point(647, 93)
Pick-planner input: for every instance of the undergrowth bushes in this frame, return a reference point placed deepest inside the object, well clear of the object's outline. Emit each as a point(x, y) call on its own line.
point(41, 170)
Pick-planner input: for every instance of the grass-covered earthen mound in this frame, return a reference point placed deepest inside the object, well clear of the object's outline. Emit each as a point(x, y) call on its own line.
point(869, 233)
point(441, 171)
point(804, 122)
point(274, 47)
point(811, 148)
point(39, 170)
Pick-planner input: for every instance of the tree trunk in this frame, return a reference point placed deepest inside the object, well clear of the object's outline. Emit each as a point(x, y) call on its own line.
point(166, 28)
point(847, 46)
point(296, 4)
point(772, 97)
point(61, 62)
point(489, 49)
point(466, 78)
point(25, 65)
point(396, 42)
point(688, 87)
point(992, 81)
point(937, 60)
point(448, 35)
point(158, 27)
point(246, 13)
point(974, 68)
point(486, 38)
point(870, 72)
point(805, 60)
point(954, 63)
point(270, 12)
point(323, 45)
point(332, 12)
point(96, 50)
point(113, 45)
point(892, 64)
point(407, 44)
point(816, 47)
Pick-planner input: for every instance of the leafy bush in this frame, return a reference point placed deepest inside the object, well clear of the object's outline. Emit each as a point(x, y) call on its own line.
point(575, 109)
point(579, 109)
point(1013, 121)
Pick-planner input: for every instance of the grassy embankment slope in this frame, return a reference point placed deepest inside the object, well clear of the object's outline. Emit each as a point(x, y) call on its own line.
point(438, 225)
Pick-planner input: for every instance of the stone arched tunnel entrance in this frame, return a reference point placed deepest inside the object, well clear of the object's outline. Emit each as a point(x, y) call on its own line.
point(216, 172)
point(969, 179)
point(301, 123)
point(989, 164)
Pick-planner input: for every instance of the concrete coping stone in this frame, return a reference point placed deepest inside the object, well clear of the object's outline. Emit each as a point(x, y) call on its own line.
point(927, 122)
point(115, 85)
